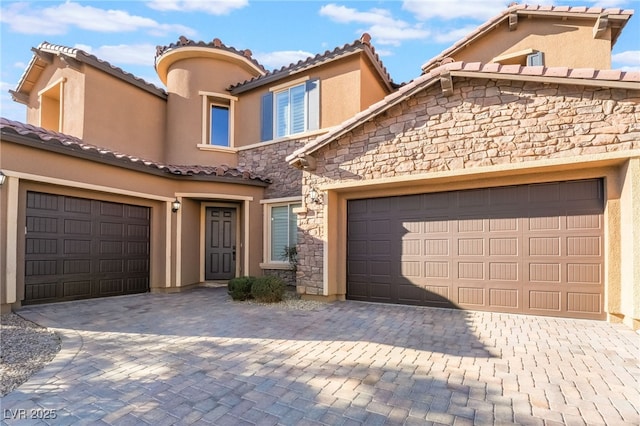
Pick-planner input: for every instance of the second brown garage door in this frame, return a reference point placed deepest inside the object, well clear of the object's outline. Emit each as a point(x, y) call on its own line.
point(535, 249)
point(78, 248)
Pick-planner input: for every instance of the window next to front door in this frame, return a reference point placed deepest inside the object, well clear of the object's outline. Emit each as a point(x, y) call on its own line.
point(281, 232)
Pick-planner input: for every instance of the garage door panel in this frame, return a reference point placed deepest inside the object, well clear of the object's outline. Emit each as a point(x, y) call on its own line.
point(540, 300)
point(584, 246)
point(584, 273)
point(77, 205)
point(436, 246)
point(504, 271)
point(581, 221)
point(76, 248)
point(507, 246)
point(437, 269)
point(504, 224)
point(584, 303)
point(471, 296)
point(111, 286)
point(504, 298)
point(44, 225)
point(541, 255)
point(471, 270)
point(76, 289)
point(41, 201)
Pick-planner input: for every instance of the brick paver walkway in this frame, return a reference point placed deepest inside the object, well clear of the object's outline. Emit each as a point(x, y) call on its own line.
point(199, 358)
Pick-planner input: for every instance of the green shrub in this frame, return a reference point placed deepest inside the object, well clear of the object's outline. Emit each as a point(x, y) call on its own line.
point(268, 289)
point(240, 288)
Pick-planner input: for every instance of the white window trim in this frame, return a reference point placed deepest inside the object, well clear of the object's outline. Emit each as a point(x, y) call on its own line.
point(268, 205)
point(281, 88)
point(220, 99)
point(294, 137)
point(289, 84)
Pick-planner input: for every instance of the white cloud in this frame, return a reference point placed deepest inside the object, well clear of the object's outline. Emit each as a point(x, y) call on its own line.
point(479, 10)
point(211, 7)
point(454, 35)
point(382, 27)
point(129, 54)
point(8, 108)
point(611, 3)
point(24, 18)
point(626, 61)
point(281, 58)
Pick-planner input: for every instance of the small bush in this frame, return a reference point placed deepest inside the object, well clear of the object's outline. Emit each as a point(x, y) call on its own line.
point(268, 289)
point(240, 288)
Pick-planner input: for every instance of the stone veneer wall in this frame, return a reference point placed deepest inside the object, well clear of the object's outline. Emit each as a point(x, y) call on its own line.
point(483, 123)
point(269, 161)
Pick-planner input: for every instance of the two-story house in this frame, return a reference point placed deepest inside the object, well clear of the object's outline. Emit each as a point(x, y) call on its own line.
point(505, 177)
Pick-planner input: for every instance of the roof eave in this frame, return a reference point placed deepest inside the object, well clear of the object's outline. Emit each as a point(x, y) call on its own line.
point(39, 62)
point(122, 162)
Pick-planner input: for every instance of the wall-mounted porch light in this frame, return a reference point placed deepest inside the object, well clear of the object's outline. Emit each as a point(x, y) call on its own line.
point(315, 197)
point(3, 177)
point(175, 205)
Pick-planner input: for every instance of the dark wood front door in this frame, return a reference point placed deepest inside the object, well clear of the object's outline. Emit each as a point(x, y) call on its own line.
point(220, 243)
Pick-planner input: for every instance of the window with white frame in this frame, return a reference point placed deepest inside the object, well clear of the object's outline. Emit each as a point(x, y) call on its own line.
point(218, 124)
point(217, 119)
point(282, 232)
point(290, 110)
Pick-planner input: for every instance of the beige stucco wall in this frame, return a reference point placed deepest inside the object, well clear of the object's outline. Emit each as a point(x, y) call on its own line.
point(102, 110)
point(488, 133)
point(73, 83)
point(185, 79)
point(567, 43)
point(122, 117)
point(629, 301)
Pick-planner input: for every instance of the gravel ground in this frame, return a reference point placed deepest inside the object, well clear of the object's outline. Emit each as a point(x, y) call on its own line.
point(25, 348)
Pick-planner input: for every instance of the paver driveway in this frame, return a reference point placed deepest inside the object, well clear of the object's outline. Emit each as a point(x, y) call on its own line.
point(199, 358)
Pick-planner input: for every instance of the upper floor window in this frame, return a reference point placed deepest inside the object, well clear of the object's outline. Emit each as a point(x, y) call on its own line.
point(290, 110)
point(217, 119)
point(219, 125)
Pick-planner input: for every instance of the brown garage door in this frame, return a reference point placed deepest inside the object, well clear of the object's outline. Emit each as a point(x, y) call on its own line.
point(535, 249)
point(78, 248)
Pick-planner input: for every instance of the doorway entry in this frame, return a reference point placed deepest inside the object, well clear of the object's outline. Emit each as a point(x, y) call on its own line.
point(220, 243)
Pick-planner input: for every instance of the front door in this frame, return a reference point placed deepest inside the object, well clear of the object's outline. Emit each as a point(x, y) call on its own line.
point(220, 243)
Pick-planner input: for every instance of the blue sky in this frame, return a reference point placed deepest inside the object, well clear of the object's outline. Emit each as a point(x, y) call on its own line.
point(125, 33)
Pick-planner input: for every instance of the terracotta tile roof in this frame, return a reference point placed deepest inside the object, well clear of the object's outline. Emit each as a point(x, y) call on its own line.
point(523, 9)
point(70, 145)
point(582, 76)
point(46, 49)
point(363, 44)
point(216, 43)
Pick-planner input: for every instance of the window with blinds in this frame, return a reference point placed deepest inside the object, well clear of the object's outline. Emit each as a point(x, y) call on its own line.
point(283, 232)
point(290, 111)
